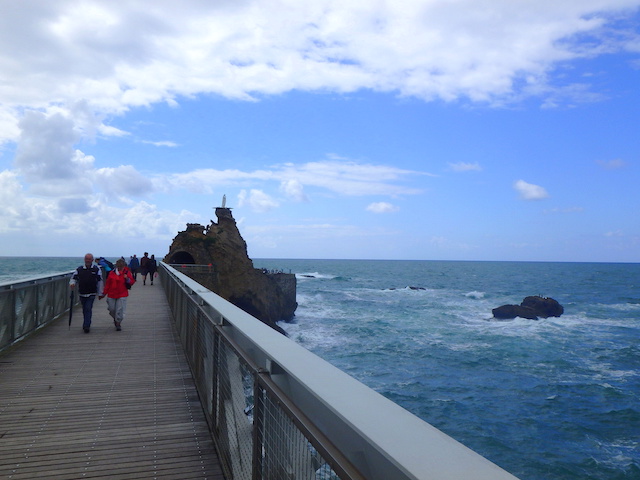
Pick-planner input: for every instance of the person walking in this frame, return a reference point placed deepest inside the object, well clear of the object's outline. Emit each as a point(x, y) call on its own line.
point(88, 278)
point(134, 265)
point(116, 290)
point(152, 267)
point(106, 267)
point(143, 267)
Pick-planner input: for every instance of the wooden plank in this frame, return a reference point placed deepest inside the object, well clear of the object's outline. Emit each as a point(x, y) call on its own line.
point(104, 404)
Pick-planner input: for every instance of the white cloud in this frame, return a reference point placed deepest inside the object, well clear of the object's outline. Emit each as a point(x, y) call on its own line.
point(123, 180)
point(349, 178)
point(164, 143)
point(14, 205)
point(206, 180)
point(465, 167)
point(110, 131)
point(293, 189)
point(73, 205)
point(114, 56)
point(528, 191)
point(45, 150)
point(256, 200)
point(342, 177)
point(83, 216)
point(382, 207)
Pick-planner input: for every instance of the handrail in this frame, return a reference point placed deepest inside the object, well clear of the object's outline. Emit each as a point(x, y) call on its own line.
point(271, 403)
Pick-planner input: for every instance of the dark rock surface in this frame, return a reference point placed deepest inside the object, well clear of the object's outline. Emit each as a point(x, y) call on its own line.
point(268, 297)
point(532, 308)
point(544, 307)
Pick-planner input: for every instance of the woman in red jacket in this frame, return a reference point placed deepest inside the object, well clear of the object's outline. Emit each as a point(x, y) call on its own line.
point(117, 292)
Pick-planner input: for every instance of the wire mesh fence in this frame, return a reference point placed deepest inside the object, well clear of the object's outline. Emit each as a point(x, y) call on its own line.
point(287, 453)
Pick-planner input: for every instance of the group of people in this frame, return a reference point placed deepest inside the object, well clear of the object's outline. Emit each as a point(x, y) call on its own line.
point(104, 279)
point(145, 266)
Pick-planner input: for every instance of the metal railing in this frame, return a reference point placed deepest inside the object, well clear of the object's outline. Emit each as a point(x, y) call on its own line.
point(28, 305)
point(190, 268)
point(278, 412)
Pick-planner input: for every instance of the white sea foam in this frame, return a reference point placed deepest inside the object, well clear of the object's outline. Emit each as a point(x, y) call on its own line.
point(314, 275)
point(313, 335)
point(623, 307)
point(477, 295)
point(604, 370)
point(408, 290)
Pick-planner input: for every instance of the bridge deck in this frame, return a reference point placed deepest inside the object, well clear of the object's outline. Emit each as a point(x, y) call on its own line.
point(104, 404)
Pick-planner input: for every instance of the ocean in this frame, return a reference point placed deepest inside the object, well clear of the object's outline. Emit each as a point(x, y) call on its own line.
point(552, 399)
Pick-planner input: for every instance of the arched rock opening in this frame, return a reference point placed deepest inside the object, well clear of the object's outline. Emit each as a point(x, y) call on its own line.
point(182, 258)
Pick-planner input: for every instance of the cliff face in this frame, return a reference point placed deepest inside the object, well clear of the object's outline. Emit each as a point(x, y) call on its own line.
point(232, 275)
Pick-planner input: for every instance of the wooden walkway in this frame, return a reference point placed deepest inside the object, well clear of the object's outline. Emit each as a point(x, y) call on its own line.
point(104, 404)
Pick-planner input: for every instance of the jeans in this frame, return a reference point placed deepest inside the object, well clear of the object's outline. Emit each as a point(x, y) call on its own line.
point(87, 306)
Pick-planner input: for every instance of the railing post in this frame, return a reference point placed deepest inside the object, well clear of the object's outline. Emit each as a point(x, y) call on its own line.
point(215, 373)
point(258, 427)
point(12, 337)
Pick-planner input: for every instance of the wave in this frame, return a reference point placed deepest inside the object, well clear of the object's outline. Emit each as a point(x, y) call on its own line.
point(623, 307)
point(316, 275)
point(474, 294)
point(408, 288)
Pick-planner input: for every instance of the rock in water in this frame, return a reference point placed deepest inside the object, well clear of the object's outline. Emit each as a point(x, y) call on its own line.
point(544, 307)
point(513, 311)
point(219, 246)
point(531, 307)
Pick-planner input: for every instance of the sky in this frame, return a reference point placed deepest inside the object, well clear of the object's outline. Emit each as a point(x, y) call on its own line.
point(344, 129)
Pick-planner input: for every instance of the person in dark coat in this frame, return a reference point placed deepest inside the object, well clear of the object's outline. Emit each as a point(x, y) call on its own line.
point(134, 265)
point(88, 278)
point(144, 267)
point(152, 267)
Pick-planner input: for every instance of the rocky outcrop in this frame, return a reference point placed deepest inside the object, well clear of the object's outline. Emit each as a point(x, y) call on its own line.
point(532, 308)
point(513, 311)
point(229, 272)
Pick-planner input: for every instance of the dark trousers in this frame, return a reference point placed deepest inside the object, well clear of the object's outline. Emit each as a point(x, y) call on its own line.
point(87, 306)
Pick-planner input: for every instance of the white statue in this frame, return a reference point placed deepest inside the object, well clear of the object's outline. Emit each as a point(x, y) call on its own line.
point(224, 201)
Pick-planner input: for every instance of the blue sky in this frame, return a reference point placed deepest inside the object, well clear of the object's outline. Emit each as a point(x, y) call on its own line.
point(383, 130)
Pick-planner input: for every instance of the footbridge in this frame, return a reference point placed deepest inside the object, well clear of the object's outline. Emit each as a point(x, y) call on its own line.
point(193, 387)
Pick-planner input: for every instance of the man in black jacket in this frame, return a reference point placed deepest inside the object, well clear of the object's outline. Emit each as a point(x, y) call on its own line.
point(88, 278)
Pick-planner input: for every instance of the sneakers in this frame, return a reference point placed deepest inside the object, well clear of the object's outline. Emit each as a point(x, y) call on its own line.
point(86, 329)
point(118, 328)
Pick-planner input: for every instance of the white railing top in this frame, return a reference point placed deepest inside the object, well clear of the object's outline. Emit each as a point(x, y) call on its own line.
point(25, 282)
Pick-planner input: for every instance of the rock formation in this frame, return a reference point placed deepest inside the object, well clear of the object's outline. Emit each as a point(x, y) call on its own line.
point(226, 269)
point(531, 308)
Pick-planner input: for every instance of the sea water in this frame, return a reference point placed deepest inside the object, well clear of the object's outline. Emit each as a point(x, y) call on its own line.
point(13, 269)
point(556, 398)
